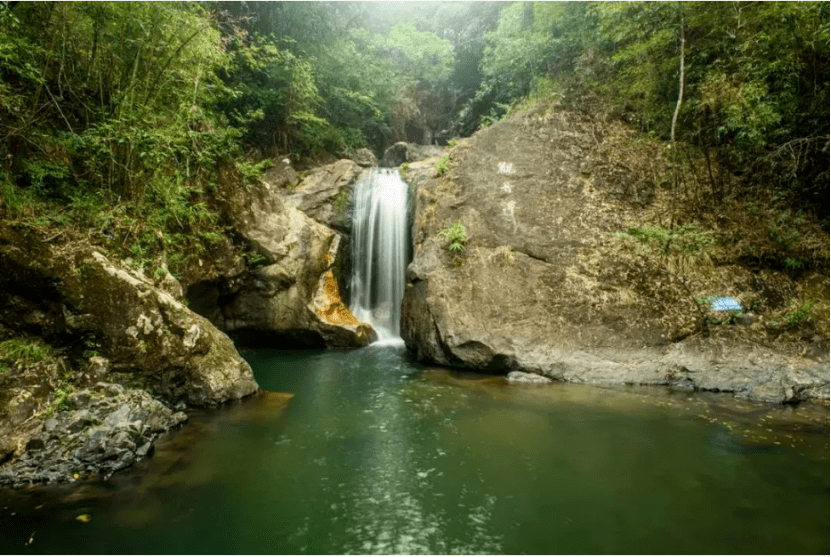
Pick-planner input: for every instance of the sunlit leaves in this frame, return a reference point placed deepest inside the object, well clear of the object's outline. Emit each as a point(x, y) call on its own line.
point(416, 54)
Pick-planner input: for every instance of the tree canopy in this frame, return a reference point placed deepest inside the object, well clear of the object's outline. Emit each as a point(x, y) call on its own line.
point(141, 98)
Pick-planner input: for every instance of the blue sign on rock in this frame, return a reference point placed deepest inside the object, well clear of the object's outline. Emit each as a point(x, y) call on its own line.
point(726, 304)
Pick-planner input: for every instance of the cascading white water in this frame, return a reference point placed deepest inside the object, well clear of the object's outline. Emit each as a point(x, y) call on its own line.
point(379, 251)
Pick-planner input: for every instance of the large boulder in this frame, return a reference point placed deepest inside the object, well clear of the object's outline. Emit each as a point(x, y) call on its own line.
point(544, 286)
point(144, 331)
point(280, 300)
point(395, 154)
point(325, 194)
point(95, 358)
point(401, 152)
point(365, 158)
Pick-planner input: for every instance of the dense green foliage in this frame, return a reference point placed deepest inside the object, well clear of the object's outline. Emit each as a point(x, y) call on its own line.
point(756, 80)
point(109, 96)
point(119, 116)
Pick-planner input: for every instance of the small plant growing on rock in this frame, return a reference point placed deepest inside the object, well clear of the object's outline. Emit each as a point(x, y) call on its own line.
point(798, 316)
point(801, 315)
point(255, 258)
point(443, 164)
point(456, 234)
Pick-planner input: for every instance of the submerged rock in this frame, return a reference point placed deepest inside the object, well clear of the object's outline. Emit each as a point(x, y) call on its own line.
point(522, 377)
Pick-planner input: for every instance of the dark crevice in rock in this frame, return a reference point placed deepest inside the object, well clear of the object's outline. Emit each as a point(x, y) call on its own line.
point(535, 257)
point(502, 363)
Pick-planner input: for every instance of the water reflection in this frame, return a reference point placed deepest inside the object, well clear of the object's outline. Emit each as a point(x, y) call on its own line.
point(376, 454)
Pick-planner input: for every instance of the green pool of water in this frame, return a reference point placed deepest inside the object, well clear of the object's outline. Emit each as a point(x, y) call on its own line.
point(377, 454)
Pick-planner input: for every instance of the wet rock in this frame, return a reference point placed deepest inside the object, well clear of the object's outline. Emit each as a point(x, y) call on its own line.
point(35, 444)
point(335, 323)
point(116, 427)
point(522, 377)
point(281, 299)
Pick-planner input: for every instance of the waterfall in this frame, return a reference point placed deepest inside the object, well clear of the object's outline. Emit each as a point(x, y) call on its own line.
point(379, 251)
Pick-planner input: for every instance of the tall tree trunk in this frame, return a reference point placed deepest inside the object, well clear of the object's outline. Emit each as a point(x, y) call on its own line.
point(680, 85)
point(677, 110)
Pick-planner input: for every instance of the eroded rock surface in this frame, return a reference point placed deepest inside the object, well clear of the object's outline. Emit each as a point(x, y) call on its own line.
point(101, 430)
point(543, 285)
point(326, 193)
point(94, 326)
point(279, 299)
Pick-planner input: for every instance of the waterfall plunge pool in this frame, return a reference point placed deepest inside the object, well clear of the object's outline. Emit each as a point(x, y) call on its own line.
point(378, 454)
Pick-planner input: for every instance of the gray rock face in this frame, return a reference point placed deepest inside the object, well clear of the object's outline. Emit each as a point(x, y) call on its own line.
point(543, 285)
point(365, 158)
point(402, 152)
point(395, 155)
point(326, 194)
point(284, 296)
point(144, 331)
point(147, 331)
point(102, 430)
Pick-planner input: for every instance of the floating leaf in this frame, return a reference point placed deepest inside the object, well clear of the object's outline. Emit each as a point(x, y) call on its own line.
point(83, 518)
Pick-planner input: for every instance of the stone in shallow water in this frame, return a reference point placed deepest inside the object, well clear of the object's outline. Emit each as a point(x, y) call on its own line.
point(522, 377)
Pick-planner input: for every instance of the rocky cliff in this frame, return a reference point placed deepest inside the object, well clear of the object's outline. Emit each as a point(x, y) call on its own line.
point(97, 359)
point(297, 232)
point(557, 279)
point(94, 359)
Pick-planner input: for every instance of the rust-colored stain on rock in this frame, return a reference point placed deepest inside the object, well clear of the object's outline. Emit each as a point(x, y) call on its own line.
point(333, 310)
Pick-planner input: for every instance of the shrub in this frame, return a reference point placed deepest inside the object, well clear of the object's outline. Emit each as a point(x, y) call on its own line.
point(456, 235)
point(443, 164)
point(24, 351)
point(680, 248)
point(801, 315)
